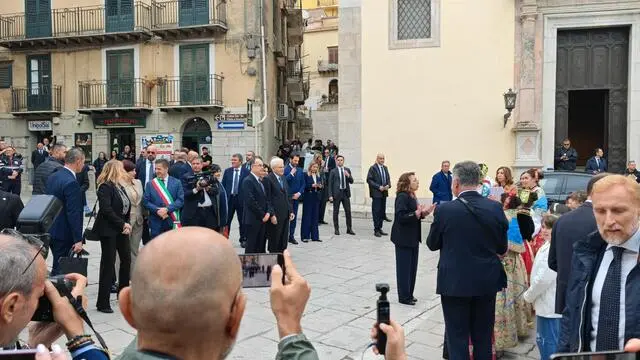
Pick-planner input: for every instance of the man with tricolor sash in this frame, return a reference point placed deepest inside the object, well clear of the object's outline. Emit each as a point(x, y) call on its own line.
point(164, 198)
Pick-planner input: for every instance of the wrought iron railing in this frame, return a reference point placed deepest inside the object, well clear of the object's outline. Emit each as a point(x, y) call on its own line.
point(36, 98)
point(294, 68)
point(326, 66)
point(119, 93)
point(205, 90)
point(170, 14)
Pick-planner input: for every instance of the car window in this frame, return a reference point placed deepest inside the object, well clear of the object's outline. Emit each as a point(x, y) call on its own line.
point(575, 183)
point(551, 184)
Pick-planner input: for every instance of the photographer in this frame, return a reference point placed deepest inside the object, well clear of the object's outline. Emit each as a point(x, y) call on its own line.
point(201, 199)
point(23, 282)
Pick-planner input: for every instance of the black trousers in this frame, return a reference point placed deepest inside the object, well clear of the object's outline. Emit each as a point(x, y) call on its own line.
point(256, 240)
point(346, 204)
point(204, 217)
point(378, 209)
point(406, 270)
point(324, 197)
point(278, 235)
point(466, 317)
point(109, 246)
point(146, 236)
point(235, 205)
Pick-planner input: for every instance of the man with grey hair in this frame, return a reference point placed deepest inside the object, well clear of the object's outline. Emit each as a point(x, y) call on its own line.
point(278, 194)
point(471, 234)
point(66, 231)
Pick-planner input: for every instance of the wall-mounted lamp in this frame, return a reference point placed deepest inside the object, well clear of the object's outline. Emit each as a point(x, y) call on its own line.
point(509, 104)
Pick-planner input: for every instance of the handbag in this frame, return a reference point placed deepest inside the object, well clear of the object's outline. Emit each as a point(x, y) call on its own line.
point(89, 234)
point(74, 263)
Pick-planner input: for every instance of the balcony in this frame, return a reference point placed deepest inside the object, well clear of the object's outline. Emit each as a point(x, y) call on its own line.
point(36, 101)
point(173, 21)
point(190, 93)
point(295, 84)
point(295, 26)
point(325, 67)
point(107, 96)
point(75, 27)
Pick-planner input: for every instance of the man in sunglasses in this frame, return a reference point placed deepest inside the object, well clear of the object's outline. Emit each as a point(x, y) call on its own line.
point(23, 282)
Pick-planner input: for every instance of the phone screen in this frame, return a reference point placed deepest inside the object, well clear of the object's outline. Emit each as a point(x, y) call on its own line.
point(610, 355)
point(28, 354)
point(256, 269)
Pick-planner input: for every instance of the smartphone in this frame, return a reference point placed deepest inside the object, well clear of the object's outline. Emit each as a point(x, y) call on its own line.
point(256, 269)
point(603, 355)
point(28, 354)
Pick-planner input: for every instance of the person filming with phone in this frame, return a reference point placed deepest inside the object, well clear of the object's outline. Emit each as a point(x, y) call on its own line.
point(22, 284)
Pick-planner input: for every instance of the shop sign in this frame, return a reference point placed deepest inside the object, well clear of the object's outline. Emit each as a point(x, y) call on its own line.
point(163, 144)
point(119, 120)
point(40, 125)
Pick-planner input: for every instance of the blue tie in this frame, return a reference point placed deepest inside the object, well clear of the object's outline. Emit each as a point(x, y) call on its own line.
point(609, 317)
point(235, 183)
point(281, 183)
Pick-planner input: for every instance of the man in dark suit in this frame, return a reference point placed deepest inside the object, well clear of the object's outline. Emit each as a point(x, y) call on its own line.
point(379, 184)
point(145, 172)
point(66, 231)
point(10, 207)
point(328, 164)
point(570, 228)
point(256, 208)
point(180, 169)
point(201, 200)
point(441, 184)
point(597, 164)
point(164, 198)
point(295, 178)
point(232, 179)
point(340, 193)
point(54, 162)
point(38, 156)
point(470, 273)
point(278, 190)
point(566, 157)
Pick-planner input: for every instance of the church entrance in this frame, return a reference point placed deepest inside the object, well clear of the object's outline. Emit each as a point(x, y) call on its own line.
point(591, 92)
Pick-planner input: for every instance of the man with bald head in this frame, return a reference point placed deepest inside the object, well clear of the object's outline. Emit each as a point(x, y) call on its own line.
point(164, 295)
point(379, 184)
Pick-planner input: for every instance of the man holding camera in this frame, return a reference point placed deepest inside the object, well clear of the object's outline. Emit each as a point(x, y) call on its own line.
point(22, 283)
point(201, 199)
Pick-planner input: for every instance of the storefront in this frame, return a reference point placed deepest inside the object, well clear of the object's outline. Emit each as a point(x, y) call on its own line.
point(121, 127)
point(39, 130)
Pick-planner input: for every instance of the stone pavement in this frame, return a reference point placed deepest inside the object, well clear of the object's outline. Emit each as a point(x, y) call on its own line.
point(342, 272)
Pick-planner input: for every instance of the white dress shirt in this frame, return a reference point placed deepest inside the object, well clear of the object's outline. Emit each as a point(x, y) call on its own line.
point(71, 171)
point(629, 261)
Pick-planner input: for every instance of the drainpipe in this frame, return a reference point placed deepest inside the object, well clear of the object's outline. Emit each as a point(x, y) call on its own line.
point(265, 107)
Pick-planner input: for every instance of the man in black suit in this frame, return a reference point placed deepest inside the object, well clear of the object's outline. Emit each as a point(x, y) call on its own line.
point(145, 172)
point(379, 184)
point(470, 273)
point(278, 190)
point(180, 168)
point(256, 208)
point(38, 156)
point(201, 200)
point(328, 164)
point(51, 165)
point(340, 193)
point(570, 227)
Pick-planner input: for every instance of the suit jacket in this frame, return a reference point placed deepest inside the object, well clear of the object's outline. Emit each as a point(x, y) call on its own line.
point(308, 184)
point(330, 164)
point(569, 229)
point(83, 178)
point(278, 196)
point(469, 263)
point(406, 230)
point(37, 158)
point(10, 207)
point(180, 169)
point(67, 227)
point(141, 172)
point(296, 182)
point(255, 203)
point(42, 173)
point(191, 201)
point(595, 167)
point(152, 202)
point(374, 179)
point(110, 219)
point(135, 192)
point(441, 187)
point(566, 165)
point(334, 184)
point(227, 179)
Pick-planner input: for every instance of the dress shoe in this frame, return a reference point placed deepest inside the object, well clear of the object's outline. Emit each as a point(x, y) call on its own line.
point(317, 240)
point(305, 240)
point(293, 241)
point(377, 234)
point(387, 219)
point(350, 232)
point(383, 233)
point(405, 302)
point(106, 310)
point(414, 299)
point(337, 232)
point(323, 223)
point(114, 288)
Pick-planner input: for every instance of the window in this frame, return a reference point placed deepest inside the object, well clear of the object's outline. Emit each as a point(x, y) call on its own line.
point(575, 183)
point(333, 54)
point(551, 184)
point(6, 75)
point(414, 24)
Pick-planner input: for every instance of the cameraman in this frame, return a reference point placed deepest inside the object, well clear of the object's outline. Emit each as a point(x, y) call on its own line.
point(22, 283)
point(201, 199)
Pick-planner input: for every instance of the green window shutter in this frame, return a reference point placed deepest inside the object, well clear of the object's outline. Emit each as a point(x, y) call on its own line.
point(6, 75)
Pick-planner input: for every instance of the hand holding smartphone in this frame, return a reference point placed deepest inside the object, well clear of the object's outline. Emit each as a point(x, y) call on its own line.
point(256, 269)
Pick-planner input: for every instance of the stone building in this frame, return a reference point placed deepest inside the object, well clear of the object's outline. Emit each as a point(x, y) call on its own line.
point(112, 73)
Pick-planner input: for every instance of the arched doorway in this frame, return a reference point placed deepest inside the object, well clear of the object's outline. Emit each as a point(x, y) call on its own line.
point(333, 91)
point(197, 132)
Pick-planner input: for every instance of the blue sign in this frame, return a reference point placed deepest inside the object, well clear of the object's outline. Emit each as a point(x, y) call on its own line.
point(231, 125)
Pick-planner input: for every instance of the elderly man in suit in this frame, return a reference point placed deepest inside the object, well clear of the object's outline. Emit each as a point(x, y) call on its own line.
point(379, 184)
point(441, 184)
point(256, 208)
point(278, 190)
point(470, 273)
point(340, 193)
point(295, 177)
point(66, 231)
point(38, 156)
point(164, 198)
point(596, 164)
point(232, 179)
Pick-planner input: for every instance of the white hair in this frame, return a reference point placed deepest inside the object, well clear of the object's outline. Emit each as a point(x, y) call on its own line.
point(275, 161)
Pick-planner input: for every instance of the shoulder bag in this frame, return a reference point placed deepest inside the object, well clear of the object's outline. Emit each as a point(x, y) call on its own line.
point(89, 234)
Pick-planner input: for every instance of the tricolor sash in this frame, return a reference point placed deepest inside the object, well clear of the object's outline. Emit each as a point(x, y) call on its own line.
point(167, 199)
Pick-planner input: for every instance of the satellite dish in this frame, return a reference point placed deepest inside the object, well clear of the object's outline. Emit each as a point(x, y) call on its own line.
point(305, 15)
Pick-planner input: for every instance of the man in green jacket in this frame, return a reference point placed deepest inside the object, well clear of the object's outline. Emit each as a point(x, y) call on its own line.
point(186, 300)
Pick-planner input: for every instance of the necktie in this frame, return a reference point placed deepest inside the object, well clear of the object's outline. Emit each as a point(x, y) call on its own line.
point(342, 185)
point(609, 317)
point(281, 183)
point(598, 163)
point(326, 164)
point(149, 172)
point(261, 186)
point(382, 174)
point(234, 190)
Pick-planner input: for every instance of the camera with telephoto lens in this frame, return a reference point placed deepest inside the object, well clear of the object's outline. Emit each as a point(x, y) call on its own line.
point(204, 180)
point(44, 312)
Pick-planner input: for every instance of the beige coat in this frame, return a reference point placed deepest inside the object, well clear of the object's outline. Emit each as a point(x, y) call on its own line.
point(135, 194)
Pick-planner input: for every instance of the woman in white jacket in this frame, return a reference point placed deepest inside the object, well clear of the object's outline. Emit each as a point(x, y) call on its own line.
point(542, 294)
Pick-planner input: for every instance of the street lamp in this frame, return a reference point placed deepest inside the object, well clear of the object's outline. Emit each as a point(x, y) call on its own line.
point(509, 104)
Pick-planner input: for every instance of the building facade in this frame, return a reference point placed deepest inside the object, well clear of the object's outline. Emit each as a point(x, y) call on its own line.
point(112, 73)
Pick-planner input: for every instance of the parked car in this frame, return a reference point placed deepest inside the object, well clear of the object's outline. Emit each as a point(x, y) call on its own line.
point(557, 185)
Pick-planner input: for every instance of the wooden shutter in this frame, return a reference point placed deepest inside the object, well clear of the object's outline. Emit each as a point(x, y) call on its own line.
point(333, 54)
point(6, 75)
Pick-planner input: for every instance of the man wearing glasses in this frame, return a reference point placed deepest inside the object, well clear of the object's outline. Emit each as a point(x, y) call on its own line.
point(566, 157)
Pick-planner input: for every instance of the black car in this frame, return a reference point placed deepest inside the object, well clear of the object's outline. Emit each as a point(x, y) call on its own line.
point(557, 185)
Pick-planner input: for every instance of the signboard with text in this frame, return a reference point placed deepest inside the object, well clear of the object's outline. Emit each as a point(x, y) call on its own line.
point(231, 117)
point(40, 125)
point(85, 142)
point(163, 144)
point(119, 120)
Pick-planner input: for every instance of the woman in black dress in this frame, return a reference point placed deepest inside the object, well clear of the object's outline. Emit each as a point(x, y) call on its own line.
point(113, 228)
point(406, 235)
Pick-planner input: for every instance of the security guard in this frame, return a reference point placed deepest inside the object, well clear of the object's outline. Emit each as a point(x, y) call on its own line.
point(11, 168)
